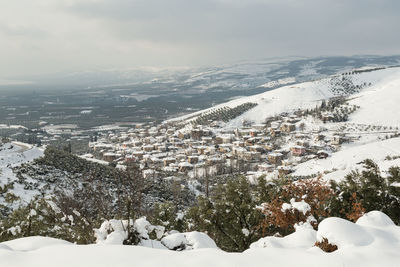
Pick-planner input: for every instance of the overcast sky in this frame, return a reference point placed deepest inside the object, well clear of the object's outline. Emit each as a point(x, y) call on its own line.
point(45, 36)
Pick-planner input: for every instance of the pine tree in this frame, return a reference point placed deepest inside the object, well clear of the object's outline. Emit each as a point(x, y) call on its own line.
point(168, 215)
point(370, 189)
point(43, 217)
point(230, 217)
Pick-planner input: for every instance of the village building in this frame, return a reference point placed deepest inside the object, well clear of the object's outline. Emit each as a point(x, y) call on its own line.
point(337, 140)
point(206, 140)
point(288, 127)
point(238, 143)
point(266, 167)
point(275, 132)
point(168, 161)
point(275, 158)
point(148, 148)
point(322, 154)
point(259, 127)
point(327, 116)
point(302, 142)
point(110, 156)
point(298, 150)
point(138, 155)
point(193, 159)
point(284, 170)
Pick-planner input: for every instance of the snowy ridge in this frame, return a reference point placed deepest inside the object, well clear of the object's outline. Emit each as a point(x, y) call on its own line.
point(306, 95)
point(298, 96)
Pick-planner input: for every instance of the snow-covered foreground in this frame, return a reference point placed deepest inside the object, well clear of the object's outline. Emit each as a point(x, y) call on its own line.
point(372, 241)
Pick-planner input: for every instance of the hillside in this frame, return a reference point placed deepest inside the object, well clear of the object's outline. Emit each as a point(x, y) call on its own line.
point(385, 153)
point(373, 92)
point(13, 155)
point(379, 103)
point(309, 94)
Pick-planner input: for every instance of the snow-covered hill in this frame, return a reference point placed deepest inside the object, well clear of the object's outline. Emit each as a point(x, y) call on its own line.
point(12, 155)
point(341, 163)
point(307, 95)
point(376, 94)
point(380, 102)
point(378, 107)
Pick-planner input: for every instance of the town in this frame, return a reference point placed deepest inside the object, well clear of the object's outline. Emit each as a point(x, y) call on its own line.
point(200, 150)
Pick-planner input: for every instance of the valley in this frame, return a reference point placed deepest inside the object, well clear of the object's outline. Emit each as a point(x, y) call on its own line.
point(156, 177)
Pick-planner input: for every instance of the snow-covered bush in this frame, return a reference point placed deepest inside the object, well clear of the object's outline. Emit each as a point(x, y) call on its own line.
point(229, 217)
point(303, 201)
point(374, 230)
point(371, 188)
point(43, 217)
point(168, 215)
point(188, 241)
point(141, 232)
point(131, 232)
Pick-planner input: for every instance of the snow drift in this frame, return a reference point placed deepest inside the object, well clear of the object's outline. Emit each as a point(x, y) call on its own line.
point(374, 240)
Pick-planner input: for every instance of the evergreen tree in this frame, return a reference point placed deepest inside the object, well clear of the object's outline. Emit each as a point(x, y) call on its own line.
point(371, 190)
point(168, 215)
point(230, 217)
point(43, 217)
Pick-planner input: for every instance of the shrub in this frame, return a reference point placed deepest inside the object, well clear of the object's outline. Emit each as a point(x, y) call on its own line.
point(313, 192)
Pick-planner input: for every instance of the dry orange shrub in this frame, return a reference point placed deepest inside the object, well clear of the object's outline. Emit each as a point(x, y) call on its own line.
point(316, 192)
point(357, 209)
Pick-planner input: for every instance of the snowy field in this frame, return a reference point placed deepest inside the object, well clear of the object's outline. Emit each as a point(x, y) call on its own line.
point(346, 160)
point(373, 240)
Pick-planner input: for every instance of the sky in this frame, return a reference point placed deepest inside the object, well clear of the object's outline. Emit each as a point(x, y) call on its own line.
point(52, 36)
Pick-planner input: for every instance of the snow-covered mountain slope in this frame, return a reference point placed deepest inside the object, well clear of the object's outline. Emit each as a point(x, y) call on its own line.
point(380, 103)
point(239, 75)
point(307, 95)
point(373, 240)
point(378, 115)
point(378, 106)
point(12, 155)
point(304, 95)
point(341, 163)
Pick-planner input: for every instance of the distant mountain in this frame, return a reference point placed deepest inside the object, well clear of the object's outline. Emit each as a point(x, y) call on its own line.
point(242, 75)
point(155, 94)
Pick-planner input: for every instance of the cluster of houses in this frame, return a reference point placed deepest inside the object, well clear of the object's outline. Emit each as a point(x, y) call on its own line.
point(197, 151)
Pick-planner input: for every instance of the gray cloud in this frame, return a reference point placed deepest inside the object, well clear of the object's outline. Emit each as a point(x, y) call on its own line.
point(123, 33)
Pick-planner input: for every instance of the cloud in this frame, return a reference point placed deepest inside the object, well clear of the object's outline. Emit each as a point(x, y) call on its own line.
point(66, 35)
